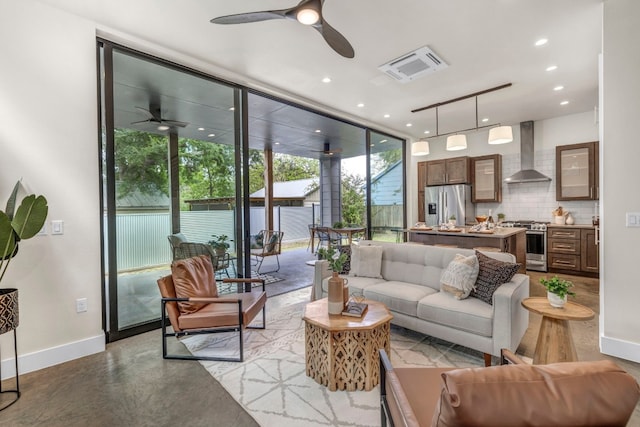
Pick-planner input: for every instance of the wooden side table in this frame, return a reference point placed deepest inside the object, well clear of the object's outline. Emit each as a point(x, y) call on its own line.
point(341, 352)
point(555, 343)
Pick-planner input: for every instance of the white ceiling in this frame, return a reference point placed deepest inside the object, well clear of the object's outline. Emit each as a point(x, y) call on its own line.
point(486, 43)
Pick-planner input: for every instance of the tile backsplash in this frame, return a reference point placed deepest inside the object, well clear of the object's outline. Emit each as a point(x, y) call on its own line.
point(535, 200)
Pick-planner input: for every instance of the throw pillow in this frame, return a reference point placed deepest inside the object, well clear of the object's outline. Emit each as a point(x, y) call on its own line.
point(256, 241)
point(460, 276)
point(366, 261)
point(271, 244)
point(491, 275)
point(193, 277)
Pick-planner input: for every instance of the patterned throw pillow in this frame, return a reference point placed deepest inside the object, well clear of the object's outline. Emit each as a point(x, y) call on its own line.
point(491, 275)
point(271, 244)
point(256, 241)
point(460, 276)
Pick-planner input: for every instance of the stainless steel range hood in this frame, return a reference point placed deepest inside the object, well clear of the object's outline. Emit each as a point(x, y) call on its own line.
point(527, 173)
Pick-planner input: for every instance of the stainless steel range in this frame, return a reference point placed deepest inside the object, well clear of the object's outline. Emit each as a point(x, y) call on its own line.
point(536, 243)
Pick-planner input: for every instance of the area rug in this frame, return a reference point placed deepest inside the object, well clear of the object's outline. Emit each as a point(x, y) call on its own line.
point(272, 386)
point(225, 288)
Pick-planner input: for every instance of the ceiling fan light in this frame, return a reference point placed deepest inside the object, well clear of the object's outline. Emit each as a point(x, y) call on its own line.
point(163, 127)
point(500, 135)
point(420, 148)
point(308, 16)
point(456, 142)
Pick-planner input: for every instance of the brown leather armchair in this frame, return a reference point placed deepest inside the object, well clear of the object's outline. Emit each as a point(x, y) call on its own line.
point(190, 300)
point(513, 394)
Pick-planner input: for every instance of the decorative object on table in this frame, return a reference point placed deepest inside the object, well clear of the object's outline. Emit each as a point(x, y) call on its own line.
point(355, 309)
point(338, 287)
point(557, 290)
point(570, 220)
point(481, 218)
point(560, 215)
point(452, 220)
point(219, 243)
point(501, 218)
point(24, 224)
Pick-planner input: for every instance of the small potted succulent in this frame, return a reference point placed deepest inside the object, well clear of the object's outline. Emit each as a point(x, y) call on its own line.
point(557, 290)
point(219, 243)
point(452, 220)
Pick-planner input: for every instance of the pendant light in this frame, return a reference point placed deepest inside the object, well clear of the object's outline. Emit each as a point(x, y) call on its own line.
point(420, 148)
point(500, 135)
point(456, 142)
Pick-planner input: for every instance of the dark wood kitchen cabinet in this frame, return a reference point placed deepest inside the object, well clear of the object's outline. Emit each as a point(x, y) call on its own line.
point(422, 182)
point(486, 179)
point(577, 171)
point(448, 171)
point(573, 250)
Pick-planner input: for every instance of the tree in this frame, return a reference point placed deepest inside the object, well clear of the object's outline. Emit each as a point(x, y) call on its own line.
point(353, 199)
point(207, 169)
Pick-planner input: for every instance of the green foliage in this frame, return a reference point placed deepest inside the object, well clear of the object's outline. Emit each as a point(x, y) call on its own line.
point(335, 258)
point(338, 224)
point(557, 286)
point(452, 217)
point(219, 242)
point(26, 223)
point(353, 199)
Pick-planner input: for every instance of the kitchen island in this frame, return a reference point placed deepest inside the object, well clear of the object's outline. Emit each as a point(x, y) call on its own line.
point(512, 240)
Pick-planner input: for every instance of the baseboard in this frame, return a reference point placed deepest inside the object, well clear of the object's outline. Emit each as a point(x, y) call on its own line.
point(51, 356)
point(620, 348)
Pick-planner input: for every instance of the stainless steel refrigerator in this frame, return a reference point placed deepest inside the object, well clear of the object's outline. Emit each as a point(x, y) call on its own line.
point(444, 201)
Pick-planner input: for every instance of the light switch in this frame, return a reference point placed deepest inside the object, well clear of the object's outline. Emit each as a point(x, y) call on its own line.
point(57, 227)
point(633, 219)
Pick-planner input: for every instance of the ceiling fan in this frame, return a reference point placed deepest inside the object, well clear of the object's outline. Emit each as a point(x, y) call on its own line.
point(327, 151)
point(154, 115)
point(307, 12)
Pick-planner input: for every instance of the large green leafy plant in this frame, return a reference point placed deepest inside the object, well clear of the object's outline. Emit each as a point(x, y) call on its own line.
point(20, 224)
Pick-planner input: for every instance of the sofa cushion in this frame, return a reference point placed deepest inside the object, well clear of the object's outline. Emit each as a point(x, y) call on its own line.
point(193, 277)
point(366, 261)
point(460, 276)
point(492, 273)
point(400, 297)
point(469, 315)
point(561, 394)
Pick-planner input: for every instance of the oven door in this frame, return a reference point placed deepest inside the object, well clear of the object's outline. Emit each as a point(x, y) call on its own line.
point(536, 250)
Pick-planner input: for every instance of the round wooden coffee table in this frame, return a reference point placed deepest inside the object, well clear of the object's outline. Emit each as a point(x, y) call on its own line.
point(341, 352)
point(555, 343)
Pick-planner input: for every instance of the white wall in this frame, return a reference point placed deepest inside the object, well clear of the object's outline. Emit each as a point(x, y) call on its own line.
point(534, 200)
point(48, 137)
point(620, 322)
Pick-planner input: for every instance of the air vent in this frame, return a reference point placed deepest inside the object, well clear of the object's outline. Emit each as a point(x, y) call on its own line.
point(413, 65)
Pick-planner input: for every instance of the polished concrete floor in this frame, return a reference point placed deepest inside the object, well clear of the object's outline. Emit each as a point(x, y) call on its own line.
point(131, 385)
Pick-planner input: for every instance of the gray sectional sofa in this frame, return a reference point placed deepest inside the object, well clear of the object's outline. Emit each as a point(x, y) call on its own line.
point(410, 288)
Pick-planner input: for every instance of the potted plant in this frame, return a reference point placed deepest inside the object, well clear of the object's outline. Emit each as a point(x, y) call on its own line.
point(338, 292)
point(452, 220)
point(501, 217)
point(219, 243)
point(15, 226)
point(557, 290)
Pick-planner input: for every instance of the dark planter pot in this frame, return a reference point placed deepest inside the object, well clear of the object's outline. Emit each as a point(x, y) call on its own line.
point(9, 314)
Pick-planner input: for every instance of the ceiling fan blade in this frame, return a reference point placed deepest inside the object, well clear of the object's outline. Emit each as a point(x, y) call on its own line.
point(336, 40)
point(176, 123)
point(145, 112)
point(244, 18)
point(142, 121)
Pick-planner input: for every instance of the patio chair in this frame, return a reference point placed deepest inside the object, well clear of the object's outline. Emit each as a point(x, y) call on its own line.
point(175, 240)
point(271, 245)
point(328, 237)
point(220, 263)
point(190, 299)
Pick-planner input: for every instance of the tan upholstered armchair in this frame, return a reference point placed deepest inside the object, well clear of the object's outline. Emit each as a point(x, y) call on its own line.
point(191, 302)
point(265, 244)
point(561, 394)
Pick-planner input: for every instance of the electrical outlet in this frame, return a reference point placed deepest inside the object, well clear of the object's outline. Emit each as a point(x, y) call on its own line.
point(81, 305)
point(633, 219)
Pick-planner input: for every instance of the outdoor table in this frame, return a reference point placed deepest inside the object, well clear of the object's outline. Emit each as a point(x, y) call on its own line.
point(348, 232)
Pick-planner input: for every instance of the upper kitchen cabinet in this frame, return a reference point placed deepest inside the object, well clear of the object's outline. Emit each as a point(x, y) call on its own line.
point(448, 171)
point(577, 171)
point(486, 179)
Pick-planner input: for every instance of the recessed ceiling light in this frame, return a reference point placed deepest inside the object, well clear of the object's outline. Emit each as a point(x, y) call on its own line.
point(427, 132)
point(542, 42)
point(360, 105)
point(318, 131)
point(163, 127)
point(326, 80)
point(386, 116)
point(409, 125)
point(557, 88)
point(200, 129)
point(485, 120)
point(232, 108)
point(552, 67)
point(211, 135)
point(382, 141)
point(277, 143)
point(564, 102)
